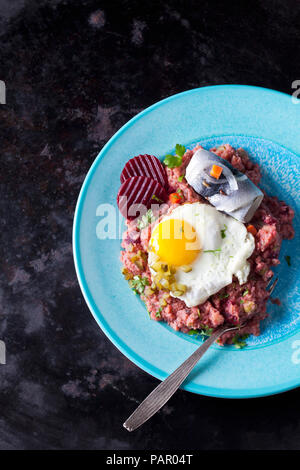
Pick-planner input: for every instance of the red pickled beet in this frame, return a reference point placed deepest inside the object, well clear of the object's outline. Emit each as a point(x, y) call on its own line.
point(137, 191)
point(145, 165)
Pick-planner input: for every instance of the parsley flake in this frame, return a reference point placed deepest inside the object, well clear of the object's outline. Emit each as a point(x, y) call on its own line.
point(138, 284)
point(193, 332)
point(223, 234)
point(179, 150)
point(212, 251)
point(239, 341)
point(206, 331)
point(156, 198)
point(158, 313)
point(223, 296)
point(288, 260)
point(173, 161)
point(180, 178)
point(145, 220)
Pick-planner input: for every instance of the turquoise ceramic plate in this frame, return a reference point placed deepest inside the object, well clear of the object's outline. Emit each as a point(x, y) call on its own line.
point(264, 122)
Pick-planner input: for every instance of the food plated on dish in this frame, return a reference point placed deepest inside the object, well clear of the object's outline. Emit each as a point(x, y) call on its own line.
point(264, 123)
point(201, 239)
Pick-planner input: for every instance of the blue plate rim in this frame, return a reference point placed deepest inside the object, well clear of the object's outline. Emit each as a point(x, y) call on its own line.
point(117, 342)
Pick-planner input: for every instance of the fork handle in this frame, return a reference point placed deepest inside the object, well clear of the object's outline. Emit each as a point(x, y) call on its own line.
point(163, 392)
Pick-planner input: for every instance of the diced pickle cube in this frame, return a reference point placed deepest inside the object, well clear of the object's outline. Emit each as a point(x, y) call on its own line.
point(186, 268)
point(126, 274)
point(249, 306)
point(177, 293)
point(165, 283)
point(148, 291)
point(181, 287)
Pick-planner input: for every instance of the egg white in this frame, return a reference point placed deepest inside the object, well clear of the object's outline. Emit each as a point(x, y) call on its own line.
point(211, 271)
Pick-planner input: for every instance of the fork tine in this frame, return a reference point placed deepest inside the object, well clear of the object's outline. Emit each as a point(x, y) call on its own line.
point(272, 286)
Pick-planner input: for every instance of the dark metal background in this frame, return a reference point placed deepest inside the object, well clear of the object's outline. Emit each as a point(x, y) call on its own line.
point(75, 72)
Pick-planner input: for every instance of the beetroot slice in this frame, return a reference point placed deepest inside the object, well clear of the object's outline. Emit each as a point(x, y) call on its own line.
point(139, 190)
point(145, 165)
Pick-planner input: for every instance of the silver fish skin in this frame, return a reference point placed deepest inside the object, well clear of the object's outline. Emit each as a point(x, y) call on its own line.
point(233, 193)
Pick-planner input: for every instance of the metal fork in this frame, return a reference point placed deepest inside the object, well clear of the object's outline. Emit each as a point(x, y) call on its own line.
point(163, 392)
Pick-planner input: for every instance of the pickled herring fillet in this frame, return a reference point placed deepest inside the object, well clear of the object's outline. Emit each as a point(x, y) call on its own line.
point(233, 193)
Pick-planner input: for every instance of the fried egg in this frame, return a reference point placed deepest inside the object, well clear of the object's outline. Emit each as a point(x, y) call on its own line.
point(213, 245)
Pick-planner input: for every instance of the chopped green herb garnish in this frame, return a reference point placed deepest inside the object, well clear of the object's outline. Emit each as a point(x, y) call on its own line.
point(212, 251)
point(180, 178)
point(223, 296)
point(239, 341)
point(223, 234)
point(138, 284)
point(158, 313)
point(242, 301)
point(193, 332)
point(288, 260)
point(245, 292)
point(173, 161)
point(145, 220)
point(179, 150)
point(206, 331)
point(199, 314)
point(156, 198)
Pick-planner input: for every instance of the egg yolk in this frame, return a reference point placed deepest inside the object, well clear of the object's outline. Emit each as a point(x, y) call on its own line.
point(175, 242)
